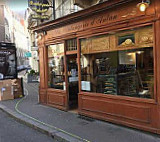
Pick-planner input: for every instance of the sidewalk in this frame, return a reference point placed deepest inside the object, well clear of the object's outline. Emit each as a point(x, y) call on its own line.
point(67, 126)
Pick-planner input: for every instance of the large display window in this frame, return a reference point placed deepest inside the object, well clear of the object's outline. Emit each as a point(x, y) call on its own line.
point(56, 77)
point(119, 64)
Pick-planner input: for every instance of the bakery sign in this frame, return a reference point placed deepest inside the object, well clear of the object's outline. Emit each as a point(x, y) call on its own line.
point(39, 6)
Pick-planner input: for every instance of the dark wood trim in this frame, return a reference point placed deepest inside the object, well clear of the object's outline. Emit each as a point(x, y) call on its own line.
point(66, 76)
point(59, 39)
point(71, 52)
point(120, 122)
point(42, 96)
point(157, 56)
point(119, 26)
point(79, 63)
point(56, 98)
point(93, 106)
point(118, 97)
point(155, 64)
point(56, 90)
point(46, 65)
point(157, 8)
point(54, 41)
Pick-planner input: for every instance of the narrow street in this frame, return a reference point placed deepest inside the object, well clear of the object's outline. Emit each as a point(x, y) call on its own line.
point(79, 71)
point(91, 130)
point(12, 131)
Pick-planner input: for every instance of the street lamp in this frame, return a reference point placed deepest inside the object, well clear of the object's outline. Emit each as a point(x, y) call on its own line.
point(143, 5)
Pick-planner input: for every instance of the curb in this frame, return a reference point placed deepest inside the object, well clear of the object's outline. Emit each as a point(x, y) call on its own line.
point(55, 134)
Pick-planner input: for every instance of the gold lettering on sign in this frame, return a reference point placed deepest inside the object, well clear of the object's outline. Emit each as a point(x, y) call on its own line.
point(90, 23)
point(79, 26)
point(31, 3)
point(102, 19)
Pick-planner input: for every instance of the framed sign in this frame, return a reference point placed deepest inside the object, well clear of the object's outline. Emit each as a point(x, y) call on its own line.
point(39, 6)
point(8, 61)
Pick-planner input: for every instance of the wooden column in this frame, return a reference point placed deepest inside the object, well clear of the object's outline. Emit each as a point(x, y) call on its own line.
point(157, 67)
point(66, 77)
point(79, 70)
point(42, 66)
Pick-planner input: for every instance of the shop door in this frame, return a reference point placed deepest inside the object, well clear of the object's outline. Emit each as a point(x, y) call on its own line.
point(72, 69)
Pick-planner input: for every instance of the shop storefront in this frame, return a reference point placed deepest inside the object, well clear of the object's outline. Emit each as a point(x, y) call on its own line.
point(104, 62)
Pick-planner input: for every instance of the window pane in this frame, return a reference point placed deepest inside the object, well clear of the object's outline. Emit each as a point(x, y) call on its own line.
point(124, 70)
point(56, 78)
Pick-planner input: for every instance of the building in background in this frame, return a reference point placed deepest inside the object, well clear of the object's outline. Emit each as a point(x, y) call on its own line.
point(32, 39)
point(13, 29)
point(6, 24)
point(21, 40)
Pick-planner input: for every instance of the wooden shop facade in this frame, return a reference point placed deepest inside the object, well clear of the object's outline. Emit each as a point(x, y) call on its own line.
point(104, 62)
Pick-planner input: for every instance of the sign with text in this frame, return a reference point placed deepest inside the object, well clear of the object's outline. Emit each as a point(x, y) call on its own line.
point(39, 6)
point(28, 54)
point(107, 18)
point(37, 16)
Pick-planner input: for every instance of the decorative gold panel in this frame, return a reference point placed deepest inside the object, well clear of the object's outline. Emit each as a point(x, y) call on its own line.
point(100, 44)
point(145, 37)
point(139, 38)
point(95, 44)
point(85, 45)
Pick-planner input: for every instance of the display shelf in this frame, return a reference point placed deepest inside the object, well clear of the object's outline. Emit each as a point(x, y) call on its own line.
point(107, 84)
point(128, 84)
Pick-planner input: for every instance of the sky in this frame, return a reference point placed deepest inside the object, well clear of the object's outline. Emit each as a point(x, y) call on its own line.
point(17, 5)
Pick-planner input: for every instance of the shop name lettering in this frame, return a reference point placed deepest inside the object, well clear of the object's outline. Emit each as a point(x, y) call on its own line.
point(40, 16)
point(32, 3)
point(39, 7)
point(95, 21)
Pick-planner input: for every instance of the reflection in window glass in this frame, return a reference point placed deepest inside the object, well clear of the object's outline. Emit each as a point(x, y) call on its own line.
point(127, 72)
point(56, 77)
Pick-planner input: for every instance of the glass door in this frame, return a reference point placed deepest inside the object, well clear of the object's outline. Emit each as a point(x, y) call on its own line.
point(72, 69)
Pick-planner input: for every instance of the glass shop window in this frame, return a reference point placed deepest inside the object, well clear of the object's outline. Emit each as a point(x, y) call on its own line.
point(119, 64)
point(71, 45)
point(56, 77)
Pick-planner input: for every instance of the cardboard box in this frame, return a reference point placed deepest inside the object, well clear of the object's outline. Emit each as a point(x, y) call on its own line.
point(17, 88)
point(10, 89)
point(18, 94)
point(6, 93)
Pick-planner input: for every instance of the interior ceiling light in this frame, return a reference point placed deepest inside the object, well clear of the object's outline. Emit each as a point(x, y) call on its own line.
point(143, 5)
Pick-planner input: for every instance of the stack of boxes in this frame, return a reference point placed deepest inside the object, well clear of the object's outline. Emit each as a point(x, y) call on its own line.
point(10, 89)
point(17, 88)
